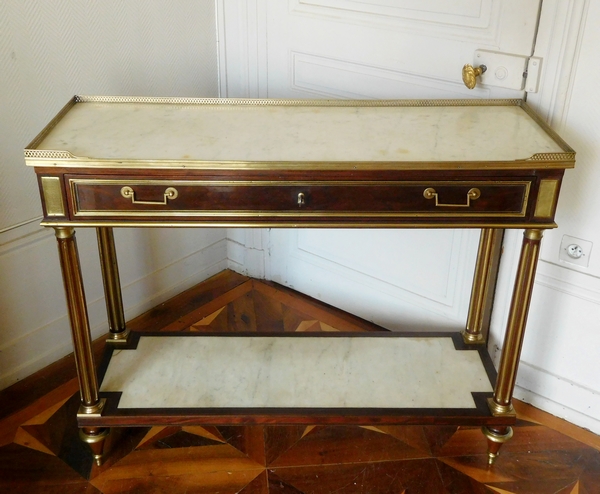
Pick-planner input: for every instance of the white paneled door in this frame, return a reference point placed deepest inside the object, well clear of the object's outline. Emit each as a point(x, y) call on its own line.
point(371, 49)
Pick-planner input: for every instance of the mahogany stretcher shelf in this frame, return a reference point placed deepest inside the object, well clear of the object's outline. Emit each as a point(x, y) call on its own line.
point(106, 162)
point(296, 378)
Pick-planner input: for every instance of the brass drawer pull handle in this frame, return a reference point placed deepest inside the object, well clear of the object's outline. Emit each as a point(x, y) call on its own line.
point(170, 193)
point(301, 199)
point(473, 194)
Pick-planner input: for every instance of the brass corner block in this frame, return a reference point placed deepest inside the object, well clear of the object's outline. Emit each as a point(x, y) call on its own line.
point(501, 410)
point(93, 411)
point(119, 338)
point(472, 338)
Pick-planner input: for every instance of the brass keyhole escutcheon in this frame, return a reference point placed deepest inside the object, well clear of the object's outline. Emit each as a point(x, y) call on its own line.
point(470, 74)
point(301, 199)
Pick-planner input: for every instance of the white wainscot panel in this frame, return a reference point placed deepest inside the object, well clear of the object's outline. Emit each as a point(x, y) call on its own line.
point(345, 79)
point(560, 361)
point(154, 265)
point(405, 280)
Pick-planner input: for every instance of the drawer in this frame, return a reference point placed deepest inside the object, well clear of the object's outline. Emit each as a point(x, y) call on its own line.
point(122, 197)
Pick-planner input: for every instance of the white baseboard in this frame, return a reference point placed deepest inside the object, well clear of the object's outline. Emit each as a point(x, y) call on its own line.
point(585, 403)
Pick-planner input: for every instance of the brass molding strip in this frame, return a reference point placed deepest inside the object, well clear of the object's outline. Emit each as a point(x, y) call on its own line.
point(280, 214)
point(64, 159)
point(297, 102)
point(290, 224)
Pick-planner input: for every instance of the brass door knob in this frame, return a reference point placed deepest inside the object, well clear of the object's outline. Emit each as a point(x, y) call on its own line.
point(470, 74)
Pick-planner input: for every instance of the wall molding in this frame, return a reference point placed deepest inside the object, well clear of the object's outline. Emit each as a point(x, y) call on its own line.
point(18, 235)
point(558, 43)
point(242, 48)
point(569, 282)
point(536, 386)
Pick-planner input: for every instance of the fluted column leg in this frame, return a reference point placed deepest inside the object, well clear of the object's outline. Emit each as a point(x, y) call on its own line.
point(501, 403)
point(483, 279)
point(118, 331)
point(80, 330)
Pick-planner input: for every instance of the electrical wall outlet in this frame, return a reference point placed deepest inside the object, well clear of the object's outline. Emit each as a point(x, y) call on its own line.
point(575, 250)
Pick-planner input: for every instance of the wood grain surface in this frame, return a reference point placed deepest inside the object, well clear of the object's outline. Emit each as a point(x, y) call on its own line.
point(40, 450)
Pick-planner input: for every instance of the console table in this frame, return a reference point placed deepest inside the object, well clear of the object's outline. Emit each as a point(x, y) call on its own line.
point(108, 162)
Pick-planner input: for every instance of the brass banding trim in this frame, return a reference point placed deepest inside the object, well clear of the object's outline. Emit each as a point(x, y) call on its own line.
point(73, 183)
point(559, 161)
point(174, 223)
point(295, 102)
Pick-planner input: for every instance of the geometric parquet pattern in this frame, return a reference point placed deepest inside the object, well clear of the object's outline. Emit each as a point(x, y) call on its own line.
point(40, 450)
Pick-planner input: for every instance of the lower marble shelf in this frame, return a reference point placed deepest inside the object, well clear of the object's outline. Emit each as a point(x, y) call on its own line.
point(360, 378)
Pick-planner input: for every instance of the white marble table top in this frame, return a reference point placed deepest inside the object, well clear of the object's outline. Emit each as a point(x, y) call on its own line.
point(169, 134)
point(288, 372)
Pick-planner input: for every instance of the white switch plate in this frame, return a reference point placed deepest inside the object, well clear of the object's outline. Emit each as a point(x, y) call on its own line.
point(503, 70)
point(586, 249)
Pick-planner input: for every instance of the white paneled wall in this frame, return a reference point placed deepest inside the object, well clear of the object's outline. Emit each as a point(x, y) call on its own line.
point(561, 354)
point(50, 51)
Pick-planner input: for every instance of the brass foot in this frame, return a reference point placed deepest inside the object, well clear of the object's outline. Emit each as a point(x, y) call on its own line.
point(95, 438)
point(496, 437)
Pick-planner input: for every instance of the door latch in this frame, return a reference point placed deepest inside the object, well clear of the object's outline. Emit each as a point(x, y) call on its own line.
point(505, 70)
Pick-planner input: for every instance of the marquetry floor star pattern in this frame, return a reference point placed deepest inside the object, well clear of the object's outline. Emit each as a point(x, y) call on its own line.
point(40, 450)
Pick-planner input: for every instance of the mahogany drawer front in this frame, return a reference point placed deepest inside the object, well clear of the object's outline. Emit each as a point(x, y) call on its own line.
point(97, 197)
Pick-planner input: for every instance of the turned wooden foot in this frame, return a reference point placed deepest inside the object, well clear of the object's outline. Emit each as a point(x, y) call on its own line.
point(496, 437)
point(95, 437)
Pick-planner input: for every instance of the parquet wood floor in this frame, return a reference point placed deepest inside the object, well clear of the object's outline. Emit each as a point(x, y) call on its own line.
point(40, 450)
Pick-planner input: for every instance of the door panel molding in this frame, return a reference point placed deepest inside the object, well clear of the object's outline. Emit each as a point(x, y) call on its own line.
point(487, 27)
point(242, 48)
point(334, 250)
point(471, 13)
point(346, 79)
